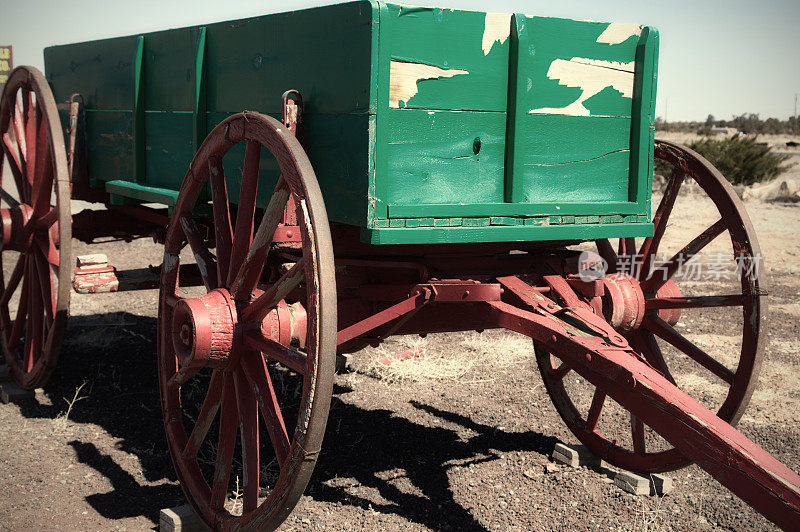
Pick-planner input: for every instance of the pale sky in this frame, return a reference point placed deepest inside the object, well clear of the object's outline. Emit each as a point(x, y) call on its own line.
point(723, 57)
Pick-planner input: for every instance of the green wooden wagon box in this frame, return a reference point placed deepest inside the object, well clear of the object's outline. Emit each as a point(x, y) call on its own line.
point(423, 125)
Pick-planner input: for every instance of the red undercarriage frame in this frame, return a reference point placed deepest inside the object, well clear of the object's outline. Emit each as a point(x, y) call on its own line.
point(584, 323)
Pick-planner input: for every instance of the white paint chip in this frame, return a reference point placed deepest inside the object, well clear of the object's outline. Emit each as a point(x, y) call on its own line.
point(591, 76)
point(404, 75)
point(497, 28)
point(617, 33)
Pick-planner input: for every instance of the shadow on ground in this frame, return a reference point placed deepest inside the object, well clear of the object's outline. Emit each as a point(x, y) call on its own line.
point(115, 355)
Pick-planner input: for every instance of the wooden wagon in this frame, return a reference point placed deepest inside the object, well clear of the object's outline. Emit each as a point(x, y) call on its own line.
point(323, 179)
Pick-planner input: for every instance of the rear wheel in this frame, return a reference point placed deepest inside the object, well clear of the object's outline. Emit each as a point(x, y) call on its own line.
point(36, 226)
point(701, 333)
point(255, 348)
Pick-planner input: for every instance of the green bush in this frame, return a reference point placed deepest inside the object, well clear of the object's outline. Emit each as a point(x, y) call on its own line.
point(742, 160)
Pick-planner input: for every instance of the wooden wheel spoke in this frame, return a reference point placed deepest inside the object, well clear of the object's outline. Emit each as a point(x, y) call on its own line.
point(278, 291)
point(637, 435)
point(598, 400)
point(19, 132)
point(30, 140)
point(664, 331)
point(206, 416)
point(255, 369)
point(248, 430)
point(48, 248)
point(250, 272)
point(560, 372)
point(47, 219)
point(651, 243)
point(35, 322)
point(12, 202)
point(223, 232)
point(290, 358)
point(22, 308)
point(15, 163)
point(206, 262)
point(245, 215)
point(46, 291)
point(606, 250)
point(646, 344)
point(228, 424)
point(731, 300)
point(665, 271)
point(13, 281)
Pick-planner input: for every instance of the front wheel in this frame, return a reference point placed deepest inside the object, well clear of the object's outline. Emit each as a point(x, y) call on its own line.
point(254, 349)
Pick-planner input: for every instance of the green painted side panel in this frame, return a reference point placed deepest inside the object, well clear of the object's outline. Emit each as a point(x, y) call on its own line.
point(489, 233)
point(109, 145)
point(570, 132)
point(325, 53)
point(169, 63)
point(470, 47)
point(453, 148)
point(551, 61)
point(101, 71)
point(432, 156)
point(169, 148)
point(338, 148)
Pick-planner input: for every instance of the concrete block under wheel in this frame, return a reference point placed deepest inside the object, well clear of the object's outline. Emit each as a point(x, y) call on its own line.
point(11, 392)
point(181, 518)
point(574, 455)
point(654, 484)
point(632, 483)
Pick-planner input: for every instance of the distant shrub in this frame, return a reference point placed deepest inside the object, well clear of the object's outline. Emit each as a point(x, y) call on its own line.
point(742, 160)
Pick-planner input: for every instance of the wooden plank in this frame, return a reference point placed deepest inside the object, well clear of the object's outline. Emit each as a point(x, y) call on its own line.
point(138, 112)
point(502, 233)
point(643, 116)
point(444, 157)
point(446, 58)
point(447, 210)
point(200, 105)
point(142, 193)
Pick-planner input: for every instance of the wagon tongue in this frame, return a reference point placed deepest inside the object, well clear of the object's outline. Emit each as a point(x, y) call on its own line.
point(604, 358)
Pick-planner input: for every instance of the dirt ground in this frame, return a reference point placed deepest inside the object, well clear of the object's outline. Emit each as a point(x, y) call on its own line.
point(458, 439)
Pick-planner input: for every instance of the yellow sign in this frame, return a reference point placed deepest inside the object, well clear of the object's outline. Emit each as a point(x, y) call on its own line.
point(6, 64)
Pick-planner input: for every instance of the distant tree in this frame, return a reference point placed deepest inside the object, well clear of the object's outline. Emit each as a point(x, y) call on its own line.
point(710, 121)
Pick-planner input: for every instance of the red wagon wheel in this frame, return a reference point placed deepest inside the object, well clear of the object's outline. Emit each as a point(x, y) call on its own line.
point(231, 345)
point(686, 304)
point(36, 227)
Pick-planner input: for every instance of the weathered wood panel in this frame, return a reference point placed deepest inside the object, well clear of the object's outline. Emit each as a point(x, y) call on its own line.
point(569, 128)
point(325, 53)
point(444, 156)
point(445, 58)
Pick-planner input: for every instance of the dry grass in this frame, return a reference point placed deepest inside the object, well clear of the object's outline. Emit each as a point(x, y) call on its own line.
point(61, 424)
point(463, 360)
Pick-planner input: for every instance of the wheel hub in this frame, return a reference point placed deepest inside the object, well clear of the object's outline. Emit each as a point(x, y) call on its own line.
point(12, 221)
point(623, 304)
point(203, 330)
point(670, 315)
